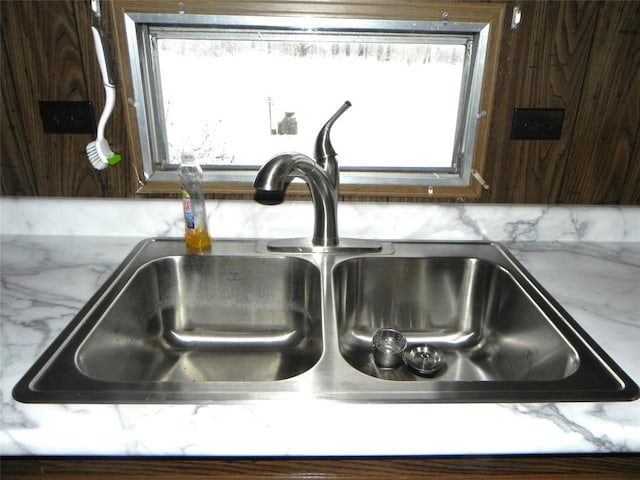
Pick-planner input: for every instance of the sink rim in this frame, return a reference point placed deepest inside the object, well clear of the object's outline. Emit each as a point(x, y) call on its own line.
point(331, 378)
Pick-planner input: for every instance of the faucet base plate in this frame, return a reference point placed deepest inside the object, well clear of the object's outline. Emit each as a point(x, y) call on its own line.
point(304, 245)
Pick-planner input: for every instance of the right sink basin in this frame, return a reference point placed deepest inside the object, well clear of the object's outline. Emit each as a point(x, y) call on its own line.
point(473, 310)
point(474, 305)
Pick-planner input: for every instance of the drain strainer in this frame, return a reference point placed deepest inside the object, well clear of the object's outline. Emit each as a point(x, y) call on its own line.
point(424, 360)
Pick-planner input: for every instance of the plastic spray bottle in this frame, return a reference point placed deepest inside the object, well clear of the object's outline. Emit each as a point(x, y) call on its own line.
point(196, 233)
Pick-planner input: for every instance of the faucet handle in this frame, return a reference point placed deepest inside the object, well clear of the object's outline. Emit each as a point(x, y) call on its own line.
point(324, 153)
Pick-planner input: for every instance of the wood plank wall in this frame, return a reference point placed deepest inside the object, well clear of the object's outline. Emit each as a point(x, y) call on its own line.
point(583, 56)
point(48, 54)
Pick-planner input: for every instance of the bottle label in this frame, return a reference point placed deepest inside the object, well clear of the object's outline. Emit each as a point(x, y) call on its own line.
point(188, 211)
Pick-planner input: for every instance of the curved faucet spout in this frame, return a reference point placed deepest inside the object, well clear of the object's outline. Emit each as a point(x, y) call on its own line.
point(274, 177)
point(321, 175)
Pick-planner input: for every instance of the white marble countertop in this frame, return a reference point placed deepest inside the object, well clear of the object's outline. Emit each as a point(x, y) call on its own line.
point(55, 253)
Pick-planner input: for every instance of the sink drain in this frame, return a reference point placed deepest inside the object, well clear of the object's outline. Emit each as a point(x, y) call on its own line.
point(424, 360)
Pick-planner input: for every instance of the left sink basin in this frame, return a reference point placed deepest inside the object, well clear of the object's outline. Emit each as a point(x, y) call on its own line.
point(166, 319)
point(191, 318)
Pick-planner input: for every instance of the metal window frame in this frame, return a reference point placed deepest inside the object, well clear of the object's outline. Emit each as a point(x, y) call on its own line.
point(147, 91)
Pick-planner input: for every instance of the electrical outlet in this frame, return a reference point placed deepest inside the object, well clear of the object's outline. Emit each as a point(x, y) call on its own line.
point(537, 123)
point(67, 117)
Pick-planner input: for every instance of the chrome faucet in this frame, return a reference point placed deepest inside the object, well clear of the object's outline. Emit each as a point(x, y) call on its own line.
point(321, 175)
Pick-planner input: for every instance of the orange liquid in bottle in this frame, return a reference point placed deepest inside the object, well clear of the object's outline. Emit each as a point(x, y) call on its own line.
point(197, 240)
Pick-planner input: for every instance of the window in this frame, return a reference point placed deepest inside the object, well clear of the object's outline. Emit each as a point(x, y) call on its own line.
point(237, 90)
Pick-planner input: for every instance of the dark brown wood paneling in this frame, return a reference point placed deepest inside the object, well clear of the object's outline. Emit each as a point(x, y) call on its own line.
point(580, 56)
point(543, 63)
point(582, 467)
point(631, 190)
point(603, 165)
point(16, 170)
point(48, 55)
point(43, 63)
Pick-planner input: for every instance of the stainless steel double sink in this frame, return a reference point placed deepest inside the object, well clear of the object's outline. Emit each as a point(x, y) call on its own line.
point(244, 323)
